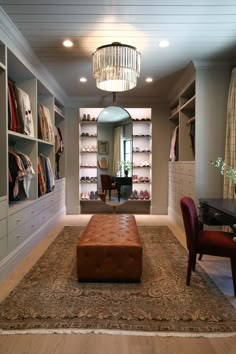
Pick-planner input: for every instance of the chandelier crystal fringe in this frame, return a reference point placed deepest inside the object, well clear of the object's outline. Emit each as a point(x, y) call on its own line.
point(116, 67)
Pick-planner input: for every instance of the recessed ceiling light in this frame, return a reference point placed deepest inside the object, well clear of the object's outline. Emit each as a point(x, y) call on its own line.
point(149, 79)
point(164, 43)
point(83, 79)
point(68, 43)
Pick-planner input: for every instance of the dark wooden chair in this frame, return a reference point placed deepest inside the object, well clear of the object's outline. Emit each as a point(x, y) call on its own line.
point(210, 242)
point(107, 185)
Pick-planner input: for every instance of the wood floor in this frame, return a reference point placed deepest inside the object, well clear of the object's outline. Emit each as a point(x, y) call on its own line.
point(218, 269)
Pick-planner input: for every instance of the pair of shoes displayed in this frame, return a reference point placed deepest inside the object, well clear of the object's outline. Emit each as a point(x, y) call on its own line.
point(93, 195)
point(87, 135)
point(92, 148)
point(141, 136)
point(88, 179)
point(87, 164)
point(141, 195)
point(141, 119)
point(144, 195)
point(141, 164)
point(134, 195)
point(137, 179)
point(87, 117)
point(137, 149)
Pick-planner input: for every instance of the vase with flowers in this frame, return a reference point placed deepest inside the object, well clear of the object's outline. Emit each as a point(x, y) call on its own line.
point(126, 166)
point(226, 170)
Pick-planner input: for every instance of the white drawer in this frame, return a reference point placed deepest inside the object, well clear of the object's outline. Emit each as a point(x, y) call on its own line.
point(3, 209)
point(3, 228)
point(19, 218)
point(3, 247)
point(17, 236)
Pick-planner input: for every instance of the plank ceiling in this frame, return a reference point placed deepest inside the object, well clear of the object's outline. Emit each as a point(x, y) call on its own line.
point(197, 30)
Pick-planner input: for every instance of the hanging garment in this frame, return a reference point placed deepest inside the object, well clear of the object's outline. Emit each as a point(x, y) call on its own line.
point(45, 175)
point(45, 128)
point(21, 173)
point(24, 111)
point(174, 145)
point(13, 118)
point(59, 149)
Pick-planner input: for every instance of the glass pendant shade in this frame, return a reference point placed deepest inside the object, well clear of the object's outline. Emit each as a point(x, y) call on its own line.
point(116, 67)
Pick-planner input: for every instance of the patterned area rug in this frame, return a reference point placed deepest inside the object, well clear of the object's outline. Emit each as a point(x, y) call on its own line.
point(50, 297)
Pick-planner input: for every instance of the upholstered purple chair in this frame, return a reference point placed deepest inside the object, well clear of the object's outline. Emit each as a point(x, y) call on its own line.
point(214, 243)
point(107, 185)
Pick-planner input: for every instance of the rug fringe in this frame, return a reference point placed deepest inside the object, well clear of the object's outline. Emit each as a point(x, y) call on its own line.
point(117, 332)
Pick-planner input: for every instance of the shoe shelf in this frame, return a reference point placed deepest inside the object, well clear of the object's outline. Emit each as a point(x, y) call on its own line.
point(142, 171)
point(88, 155)
point(81, 166)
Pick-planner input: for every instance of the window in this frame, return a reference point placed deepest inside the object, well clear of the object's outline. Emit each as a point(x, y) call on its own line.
point(128, 150)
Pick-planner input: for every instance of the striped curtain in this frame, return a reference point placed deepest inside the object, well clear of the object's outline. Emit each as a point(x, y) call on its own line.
point(230, 141)
point(117, 150)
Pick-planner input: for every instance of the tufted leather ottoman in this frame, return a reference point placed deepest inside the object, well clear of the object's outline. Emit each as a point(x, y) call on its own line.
point(110, 249)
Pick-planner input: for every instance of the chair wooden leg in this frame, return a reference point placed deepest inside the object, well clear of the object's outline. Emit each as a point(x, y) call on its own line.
point(200, 256)
point(233, 268)
point(194, 263)
point(191, 260)
point(109, 194)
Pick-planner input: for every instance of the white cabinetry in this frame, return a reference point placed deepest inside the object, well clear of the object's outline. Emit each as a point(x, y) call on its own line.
point(181, 183)
point(182, 150)
point(23, 219)
point(142, 158)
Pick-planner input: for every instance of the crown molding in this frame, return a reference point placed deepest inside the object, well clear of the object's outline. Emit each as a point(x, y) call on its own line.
point(16, 42)
point(213, 64)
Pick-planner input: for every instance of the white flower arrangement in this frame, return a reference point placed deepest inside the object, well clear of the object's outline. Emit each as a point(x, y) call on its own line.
point(226, 170)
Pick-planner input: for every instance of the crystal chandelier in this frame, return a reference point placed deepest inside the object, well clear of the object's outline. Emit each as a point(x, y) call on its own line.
point(116, 67)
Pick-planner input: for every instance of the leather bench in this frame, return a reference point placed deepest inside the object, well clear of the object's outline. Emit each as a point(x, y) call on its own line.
point(110, 249)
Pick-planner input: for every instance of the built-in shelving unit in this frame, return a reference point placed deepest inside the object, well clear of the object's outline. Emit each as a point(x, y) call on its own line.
point(182, 150)
point(142, 161)
point(22, 219)
point(182, 115)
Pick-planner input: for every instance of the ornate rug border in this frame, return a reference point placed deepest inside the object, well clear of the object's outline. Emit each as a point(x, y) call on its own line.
point(118, 332)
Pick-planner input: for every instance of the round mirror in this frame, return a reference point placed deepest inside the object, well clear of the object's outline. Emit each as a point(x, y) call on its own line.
point(114, 132)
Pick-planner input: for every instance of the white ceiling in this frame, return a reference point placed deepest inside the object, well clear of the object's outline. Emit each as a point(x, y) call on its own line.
point(197, 30)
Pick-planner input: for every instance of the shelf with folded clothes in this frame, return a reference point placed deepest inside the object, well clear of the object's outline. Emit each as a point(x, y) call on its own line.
point(22, 101)
point(46, 121)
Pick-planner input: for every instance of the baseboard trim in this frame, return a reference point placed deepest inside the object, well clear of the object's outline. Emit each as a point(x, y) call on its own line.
point(9, 263)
